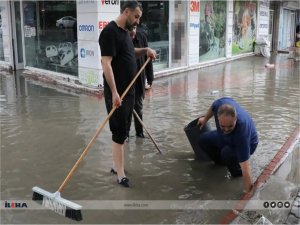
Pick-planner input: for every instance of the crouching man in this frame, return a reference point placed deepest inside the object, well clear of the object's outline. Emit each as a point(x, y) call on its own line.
point(234, 141)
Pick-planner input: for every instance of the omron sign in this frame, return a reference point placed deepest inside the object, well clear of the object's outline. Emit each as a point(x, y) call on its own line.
point(86, 53)
point(195, 6)
point(110, 2)
point(86, 28)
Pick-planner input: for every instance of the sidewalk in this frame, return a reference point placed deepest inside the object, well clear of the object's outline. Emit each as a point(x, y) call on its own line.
point(280, 194)
point(282, 187)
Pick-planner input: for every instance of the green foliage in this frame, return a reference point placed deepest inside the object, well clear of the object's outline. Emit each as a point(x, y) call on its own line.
point(220, 21)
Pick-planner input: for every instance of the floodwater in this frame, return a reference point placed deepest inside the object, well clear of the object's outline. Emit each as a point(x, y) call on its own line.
point(45, 129)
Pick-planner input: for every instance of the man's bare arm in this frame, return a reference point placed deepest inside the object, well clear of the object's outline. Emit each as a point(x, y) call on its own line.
point(203, 120)
point(109, 77)
point(139, 52)
point(245, 166)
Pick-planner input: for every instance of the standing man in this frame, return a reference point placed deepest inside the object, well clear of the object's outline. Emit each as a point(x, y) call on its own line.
point(234, 141)
point(139, 40)
point(118, 58)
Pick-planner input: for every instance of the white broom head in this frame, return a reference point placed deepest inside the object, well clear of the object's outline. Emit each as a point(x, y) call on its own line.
point(55, 202)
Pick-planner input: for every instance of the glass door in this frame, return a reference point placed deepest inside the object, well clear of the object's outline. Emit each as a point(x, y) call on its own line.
point(17, 35)
point(271, 27)
point(287, 32)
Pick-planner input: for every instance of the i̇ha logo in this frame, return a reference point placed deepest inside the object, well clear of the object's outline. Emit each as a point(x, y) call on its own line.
point(13, 204)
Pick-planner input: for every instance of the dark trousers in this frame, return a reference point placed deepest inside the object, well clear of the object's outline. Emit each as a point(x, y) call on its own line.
point(220, 152)
point(138, 107)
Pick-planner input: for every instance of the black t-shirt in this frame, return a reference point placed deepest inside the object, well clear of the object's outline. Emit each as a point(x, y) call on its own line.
point(116, 42)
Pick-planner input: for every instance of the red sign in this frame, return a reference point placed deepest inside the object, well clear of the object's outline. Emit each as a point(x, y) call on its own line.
point(110, 2)
point(102, 24)
point(195, 6)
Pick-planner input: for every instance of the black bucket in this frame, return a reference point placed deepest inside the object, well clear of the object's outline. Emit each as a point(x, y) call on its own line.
point(192, 131)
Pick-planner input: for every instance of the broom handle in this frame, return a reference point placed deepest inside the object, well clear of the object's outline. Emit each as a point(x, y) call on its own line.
point(100, 128)
point(139, 119)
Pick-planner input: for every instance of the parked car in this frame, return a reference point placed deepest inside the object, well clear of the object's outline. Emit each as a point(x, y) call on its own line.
point(66, 21)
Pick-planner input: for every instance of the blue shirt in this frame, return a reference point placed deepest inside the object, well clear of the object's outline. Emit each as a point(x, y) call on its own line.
point(244, 134)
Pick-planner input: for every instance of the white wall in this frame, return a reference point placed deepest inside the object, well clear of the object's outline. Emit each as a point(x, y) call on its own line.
point(6, 32)
point(229, 29)
point(92, 17)
point(263, 19)
point(193, 29)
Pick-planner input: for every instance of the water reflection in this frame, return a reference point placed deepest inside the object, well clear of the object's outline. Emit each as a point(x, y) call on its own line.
point(44, 130)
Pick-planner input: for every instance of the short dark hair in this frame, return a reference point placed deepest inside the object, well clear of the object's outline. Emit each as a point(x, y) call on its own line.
point(131, 5)
point(227, 110)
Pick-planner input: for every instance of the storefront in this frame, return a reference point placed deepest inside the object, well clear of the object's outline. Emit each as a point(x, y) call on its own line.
point(287, 28)
point(49, 35)
point(212, 30)
point(62, 36)
point(244, 26)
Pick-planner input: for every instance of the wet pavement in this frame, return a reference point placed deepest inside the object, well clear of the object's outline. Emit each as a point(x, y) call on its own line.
point(279, 196)
point(44, 130)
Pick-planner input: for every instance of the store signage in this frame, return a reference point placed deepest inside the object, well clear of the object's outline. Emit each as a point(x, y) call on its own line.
point(29, 31)
point(195, 6)
point(264, 13)
point(194, 25)
point(89, 54)
point(86, 1)
point(90, 77)
point(104, 19)
point(109, 6)
point(102, 24)
point(84, 53)
point(264, 3)
point(263, 20)
point(87, 28)
point(87, 6)
point(110, 2)
point(193, 36)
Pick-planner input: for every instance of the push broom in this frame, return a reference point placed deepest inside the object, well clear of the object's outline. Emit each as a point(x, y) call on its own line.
point(54, 201)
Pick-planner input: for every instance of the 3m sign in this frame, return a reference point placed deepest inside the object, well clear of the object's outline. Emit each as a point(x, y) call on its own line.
point(195, 6)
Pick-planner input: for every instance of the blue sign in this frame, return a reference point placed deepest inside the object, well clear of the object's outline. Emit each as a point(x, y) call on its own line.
point(82, 53)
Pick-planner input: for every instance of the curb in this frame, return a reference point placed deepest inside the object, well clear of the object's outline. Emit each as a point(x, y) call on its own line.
point(64, 84)
point(277, 160)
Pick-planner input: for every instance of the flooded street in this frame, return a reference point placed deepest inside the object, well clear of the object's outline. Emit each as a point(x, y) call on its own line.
point(44, 130)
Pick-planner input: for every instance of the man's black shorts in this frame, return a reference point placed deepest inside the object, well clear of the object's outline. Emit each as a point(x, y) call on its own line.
point(118, 122)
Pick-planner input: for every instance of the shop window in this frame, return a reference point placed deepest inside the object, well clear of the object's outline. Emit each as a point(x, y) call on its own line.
point(212, 30)
point(178, 33)
point(50, 33)
point(155, 24)
point(244, 26)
